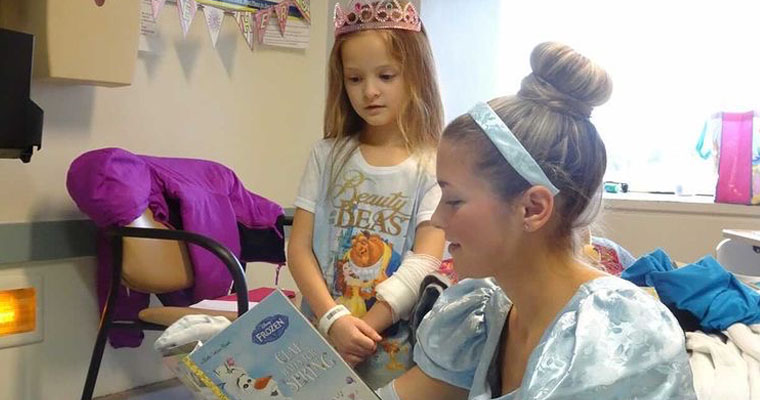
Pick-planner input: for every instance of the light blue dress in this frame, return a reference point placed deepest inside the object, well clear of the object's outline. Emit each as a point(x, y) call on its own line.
point(611, 341)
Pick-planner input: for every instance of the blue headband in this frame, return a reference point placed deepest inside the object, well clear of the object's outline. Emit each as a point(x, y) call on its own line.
point(509, 147)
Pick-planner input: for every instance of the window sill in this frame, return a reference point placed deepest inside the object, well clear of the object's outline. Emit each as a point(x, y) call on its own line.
point(672, 204)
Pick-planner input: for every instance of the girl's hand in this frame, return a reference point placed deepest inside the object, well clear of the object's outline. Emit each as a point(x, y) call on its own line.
point(354, 339)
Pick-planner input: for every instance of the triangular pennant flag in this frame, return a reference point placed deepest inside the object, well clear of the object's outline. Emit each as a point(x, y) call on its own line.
point(262, 20)
point(281, 11)
point(303, 7)
point(244, 21)
point(214, 18)
point(187, 9)
point(156, 5)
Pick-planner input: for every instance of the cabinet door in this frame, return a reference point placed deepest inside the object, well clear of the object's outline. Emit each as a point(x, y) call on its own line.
point(79, 41)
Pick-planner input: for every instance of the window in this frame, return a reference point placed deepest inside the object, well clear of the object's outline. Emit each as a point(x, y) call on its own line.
point(673, 64)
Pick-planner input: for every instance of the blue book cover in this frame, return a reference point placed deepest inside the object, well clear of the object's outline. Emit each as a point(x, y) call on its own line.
point(273, 352)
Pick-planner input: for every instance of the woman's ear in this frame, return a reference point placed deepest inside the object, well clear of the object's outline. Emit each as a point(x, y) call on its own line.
point(538, 205)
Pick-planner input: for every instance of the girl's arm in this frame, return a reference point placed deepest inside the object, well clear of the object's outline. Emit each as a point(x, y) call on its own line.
point(303, 264)
point(352, 336)
point(429, 241)
point(415, 384)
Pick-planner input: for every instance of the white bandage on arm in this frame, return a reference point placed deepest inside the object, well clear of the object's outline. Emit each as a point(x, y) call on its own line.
point(402, 289)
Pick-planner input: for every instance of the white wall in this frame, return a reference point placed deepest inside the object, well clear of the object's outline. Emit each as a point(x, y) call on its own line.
point(257, 112)
point(463, 49)
point(686, 231)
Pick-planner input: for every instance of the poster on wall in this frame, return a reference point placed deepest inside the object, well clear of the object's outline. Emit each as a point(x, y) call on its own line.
point(285, 31)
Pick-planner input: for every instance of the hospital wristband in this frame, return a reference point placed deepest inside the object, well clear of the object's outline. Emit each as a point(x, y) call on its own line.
point(329, 318)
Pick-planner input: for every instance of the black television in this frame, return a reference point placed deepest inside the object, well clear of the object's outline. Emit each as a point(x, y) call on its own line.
point(20, 117)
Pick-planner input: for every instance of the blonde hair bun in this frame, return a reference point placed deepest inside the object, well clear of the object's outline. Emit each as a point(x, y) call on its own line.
point(565, 81)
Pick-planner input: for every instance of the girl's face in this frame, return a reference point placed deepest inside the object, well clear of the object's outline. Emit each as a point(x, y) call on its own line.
point(481, 227)
point(372, 78)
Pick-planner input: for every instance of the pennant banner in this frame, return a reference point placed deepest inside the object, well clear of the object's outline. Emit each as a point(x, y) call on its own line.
point(252, 17)
point(245, 22)
point(262, 20)
point(304, 9)
point(281, 11)
point(187, 9)
point(157, 5)
point(148, 26)
point(214, 18)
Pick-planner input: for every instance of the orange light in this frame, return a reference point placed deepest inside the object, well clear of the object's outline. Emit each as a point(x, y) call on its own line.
point(18, 311)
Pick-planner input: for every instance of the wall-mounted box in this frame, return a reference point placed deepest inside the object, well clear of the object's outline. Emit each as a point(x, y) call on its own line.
point(77, 41)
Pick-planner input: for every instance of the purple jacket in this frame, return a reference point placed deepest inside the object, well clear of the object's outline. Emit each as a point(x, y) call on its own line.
point(114, 187)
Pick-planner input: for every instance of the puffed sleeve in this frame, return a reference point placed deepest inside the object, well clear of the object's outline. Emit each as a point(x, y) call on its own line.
point(615, 343)
point(452, 336)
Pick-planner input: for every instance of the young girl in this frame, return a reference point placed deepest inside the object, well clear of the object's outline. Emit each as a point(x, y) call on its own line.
point(368, 192)
point(519, 175)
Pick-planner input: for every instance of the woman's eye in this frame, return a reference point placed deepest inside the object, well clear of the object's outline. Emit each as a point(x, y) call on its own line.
point(454, 203)
point(353, 79)
point(387, 77)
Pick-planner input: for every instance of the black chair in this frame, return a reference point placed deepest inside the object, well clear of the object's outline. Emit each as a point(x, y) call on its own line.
point(117, 237)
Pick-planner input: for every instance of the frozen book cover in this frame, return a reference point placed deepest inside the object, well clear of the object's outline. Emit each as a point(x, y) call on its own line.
point(273, 352)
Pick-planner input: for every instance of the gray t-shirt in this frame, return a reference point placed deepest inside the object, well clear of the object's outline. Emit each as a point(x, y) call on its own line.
point(362, 228)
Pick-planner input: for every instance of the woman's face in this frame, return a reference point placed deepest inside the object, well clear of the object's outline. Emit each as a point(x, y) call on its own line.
point(483, 229)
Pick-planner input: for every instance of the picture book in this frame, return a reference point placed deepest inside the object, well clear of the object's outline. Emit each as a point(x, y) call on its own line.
point(270, 352)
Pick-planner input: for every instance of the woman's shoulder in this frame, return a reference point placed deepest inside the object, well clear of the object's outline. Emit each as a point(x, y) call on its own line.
point(616, 304)
point(613, 323)
point(614, 292)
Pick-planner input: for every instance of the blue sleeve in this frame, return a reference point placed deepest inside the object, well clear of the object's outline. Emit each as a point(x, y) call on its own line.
point(452, 335)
